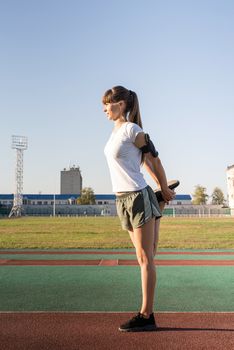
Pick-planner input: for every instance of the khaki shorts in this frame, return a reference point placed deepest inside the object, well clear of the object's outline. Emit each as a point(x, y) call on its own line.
point(136, 208)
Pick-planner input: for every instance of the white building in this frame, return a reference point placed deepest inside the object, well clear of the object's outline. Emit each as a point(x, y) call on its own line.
point(71, 181)
point(230, 187)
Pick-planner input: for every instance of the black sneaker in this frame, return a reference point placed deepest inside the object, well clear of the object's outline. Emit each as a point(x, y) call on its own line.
point(139, 324)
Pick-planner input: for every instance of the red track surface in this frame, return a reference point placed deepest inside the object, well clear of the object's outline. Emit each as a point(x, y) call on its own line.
point(116, 262)
point(89, 331)
point(44, 252)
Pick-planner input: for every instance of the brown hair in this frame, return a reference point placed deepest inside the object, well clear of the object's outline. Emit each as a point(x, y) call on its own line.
point(120, 93)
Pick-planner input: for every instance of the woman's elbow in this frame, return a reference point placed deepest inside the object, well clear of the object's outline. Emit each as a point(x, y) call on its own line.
point(152, 160)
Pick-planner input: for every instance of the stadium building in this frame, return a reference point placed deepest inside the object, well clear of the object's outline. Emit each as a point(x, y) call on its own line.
point(66, 205)
point(230, 187)
point(71, 180)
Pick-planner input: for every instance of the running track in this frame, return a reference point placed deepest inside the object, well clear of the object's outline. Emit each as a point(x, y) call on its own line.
point(40, 308)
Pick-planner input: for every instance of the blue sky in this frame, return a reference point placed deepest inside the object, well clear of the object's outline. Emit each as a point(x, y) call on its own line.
point(58, 57)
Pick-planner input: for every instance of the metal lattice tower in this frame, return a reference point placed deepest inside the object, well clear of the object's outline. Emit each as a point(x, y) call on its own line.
point(20, 143)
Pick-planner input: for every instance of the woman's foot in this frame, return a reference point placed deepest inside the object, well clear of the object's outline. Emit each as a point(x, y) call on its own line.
point(139, 324)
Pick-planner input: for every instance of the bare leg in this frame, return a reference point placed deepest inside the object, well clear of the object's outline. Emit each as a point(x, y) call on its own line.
point(131, 234)
point(148, 270)
point(144, 239)
point(156, 229)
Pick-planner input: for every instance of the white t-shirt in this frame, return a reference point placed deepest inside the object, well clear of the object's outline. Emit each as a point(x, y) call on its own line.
point(124, 159)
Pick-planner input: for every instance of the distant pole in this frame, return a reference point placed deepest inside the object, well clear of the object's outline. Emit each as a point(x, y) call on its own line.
point(173, 212)
point(54, 206)
point(19, 143)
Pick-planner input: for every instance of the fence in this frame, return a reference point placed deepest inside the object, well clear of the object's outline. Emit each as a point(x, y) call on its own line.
point(110, 210)
point(197, 211)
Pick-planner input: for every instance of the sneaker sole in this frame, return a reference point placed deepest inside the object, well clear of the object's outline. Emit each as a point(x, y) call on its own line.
point(140, 329)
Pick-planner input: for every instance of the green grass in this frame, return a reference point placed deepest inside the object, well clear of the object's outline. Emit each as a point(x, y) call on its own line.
point(106, 232)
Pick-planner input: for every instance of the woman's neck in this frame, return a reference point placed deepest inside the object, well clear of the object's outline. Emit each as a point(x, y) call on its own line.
point(119, 122)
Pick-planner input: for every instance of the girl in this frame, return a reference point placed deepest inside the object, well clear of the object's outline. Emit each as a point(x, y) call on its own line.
point(137, 206)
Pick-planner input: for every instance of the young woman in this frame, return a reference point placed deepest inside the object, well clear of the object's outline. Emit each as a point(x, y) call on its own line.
point(127, 149)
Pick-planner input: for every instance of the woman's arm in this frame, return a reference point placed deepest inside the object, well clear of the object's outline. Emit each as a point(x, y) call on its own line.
point(155, 169)
point(157, 172)
point(148, 166)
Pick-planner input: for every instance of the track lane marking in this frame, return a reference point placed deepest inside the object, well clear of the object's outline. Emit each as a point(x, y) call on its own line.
point(106, 262)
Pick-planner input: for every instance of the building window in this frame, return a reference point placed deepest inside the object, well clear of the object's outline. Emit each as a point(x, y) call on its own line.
point(39, 202)
point(179, 203)
point(99, 202)
point(105, 202)
point(45, 203)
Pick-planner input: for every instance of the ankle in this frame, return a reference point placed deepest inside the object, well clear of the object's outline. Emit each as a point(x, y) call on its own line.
point(145, 314)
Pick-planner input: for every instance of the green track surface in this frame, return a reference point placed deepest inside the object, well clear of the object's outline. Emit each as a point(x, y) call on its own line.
point(96, 288)
point(114, 250)
point(114, 288)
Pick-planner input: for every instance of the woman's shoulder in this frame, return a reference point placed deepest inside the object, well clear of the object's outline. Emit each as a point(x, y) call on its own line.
point(133, 126)
point(132, 130)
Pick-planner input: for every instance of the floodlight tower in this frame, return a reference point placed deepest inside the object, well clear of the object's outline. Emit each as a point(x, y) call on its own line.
point(20, 143)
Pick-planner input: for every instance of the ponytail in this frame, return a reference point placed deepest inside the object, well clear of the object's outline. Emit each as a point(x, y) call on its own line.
point(134, 109)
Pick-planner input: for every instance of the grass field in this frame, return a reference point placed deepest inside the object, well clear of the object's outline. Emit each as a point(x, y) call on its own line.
point(105, 232)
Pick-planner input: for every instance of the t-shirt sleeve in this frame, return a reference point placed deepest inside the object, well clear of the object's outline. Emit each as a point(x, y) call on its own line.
point(133, 130)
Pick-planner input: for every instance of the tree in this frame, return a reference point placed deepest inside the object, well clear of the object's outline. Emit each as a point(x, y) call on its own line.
point(87, 196)
point(217, 196)
point(200, 196)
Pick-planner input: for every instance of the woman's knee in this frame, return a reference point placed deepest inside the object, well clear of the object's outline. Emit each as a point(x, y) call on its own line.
point(145, 258)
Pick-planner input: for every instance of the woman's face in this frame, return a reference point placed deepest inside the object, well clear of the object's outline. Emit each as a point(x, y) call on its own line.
point(113, 110)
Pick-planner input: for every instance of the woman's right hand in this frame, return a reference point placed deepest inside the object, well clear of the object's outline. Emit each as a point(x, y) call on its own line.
point(168, 194)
